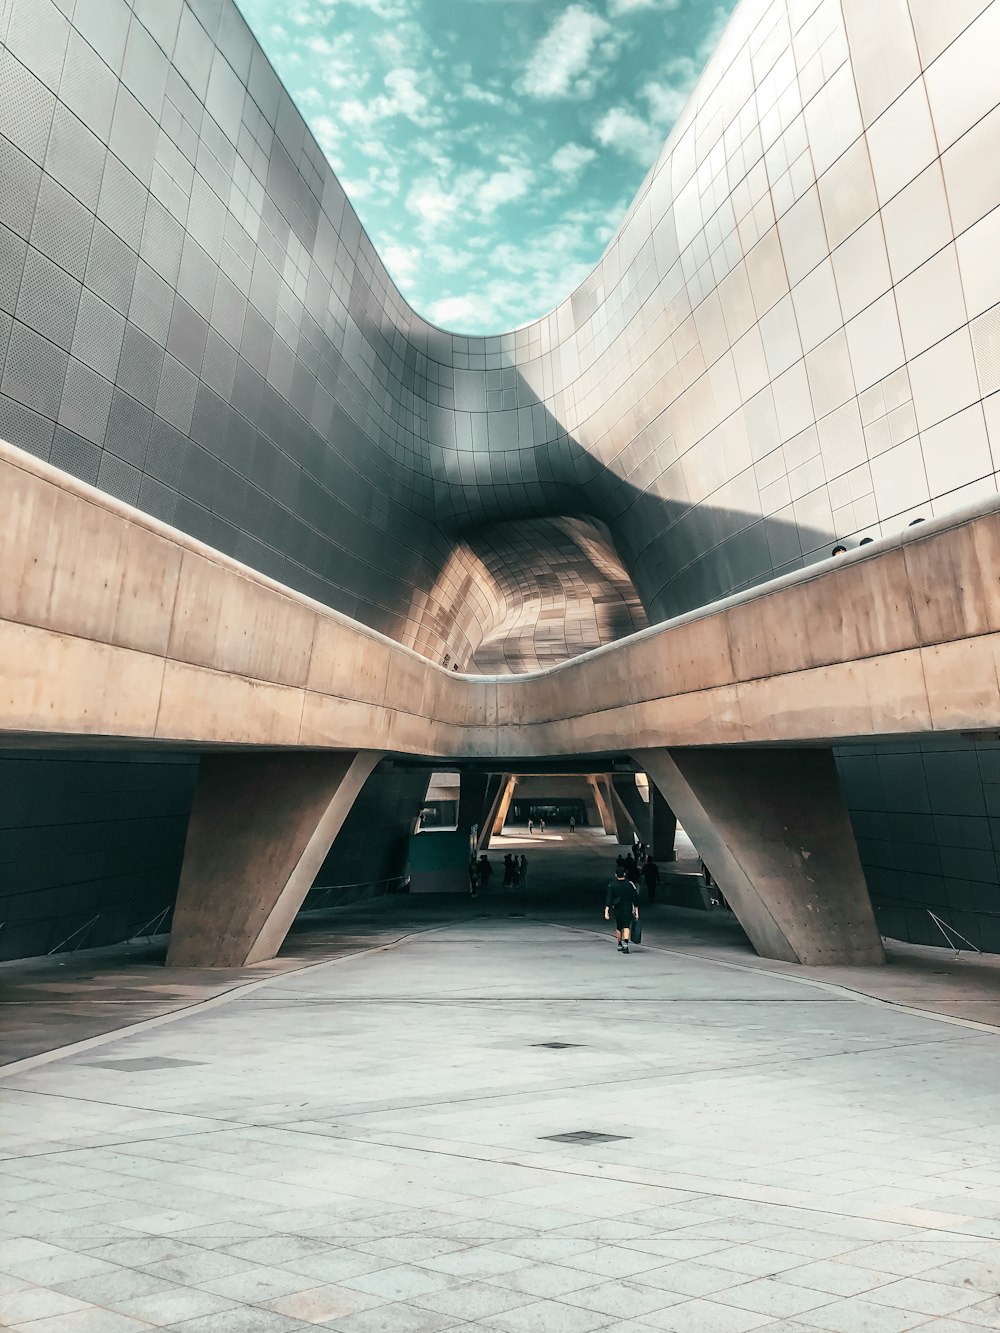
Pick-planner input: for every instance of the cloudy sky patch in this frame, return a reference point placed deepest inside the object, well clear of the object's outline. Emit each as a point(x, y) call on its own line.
point(490, 147)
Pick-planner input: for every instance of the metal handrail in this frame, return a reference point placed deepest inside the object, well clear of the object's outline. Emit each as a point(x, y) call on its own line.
point(326, 890)
point(79, 931)
point(947, 931)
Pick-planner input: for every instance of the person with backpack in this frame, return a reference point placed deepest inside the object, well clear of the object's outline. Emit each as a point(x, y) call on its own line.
point(622, 900)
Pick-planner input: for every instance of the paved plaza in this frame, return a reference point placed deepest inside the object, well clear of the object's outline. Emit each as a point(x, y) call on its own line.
point(378, 1144)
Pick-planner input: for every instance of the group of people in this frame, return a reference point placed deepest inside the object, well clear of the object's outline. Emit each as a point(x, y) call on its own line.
point(515, 873)
point(639, 865)
point(541, 825)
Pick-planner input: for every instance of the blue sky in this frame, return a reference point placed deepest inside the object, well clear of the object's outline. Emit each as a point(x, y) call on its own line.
point(490, 147)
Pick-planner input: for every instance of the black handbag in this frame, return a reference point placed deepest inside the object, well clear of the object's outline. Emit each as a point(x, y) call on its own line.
point(636, 931)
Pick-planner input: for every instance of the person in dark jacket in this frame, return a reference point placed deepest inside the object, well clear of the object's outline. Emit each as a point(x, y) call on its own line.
point(651, 874)
point(623, 902)
point(508, 871)
point(485, 871)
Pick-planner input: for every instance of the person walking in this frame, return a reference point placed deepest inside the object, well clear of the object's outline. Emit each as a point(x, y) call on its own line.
point(485, 871)
point(623, 901)
point(531, 825)
point(473, 877)
point(541, 826)
point(572, 823)
point(515, 873)
point(651, 875)
point(508, 871)
point(631, 869)
point(523, 872)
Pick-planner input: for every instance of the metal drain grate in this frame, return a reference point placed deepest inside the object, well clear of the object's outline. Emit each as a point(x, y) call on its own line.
point(144, 1062)
point(584, 1136)
point(558, 1045)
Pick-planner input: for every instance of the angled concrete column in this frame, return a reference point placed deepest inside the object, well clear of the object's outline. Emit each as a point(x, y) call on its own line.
point(602, 800)
point(772, 828)
point(624, 823)
point(495, 789)
point(628, 793)
point(506, 796)
point(260, 829)
point(663, 826)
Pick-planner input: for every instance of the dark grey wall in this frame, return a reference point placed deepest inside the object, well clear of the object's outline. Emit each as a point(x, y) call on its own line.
point(88, 834)
point(927, 820)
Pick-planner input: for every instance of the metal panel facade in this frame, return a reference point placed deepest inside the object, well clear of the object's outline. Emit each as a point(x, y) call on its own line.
point(792, 338)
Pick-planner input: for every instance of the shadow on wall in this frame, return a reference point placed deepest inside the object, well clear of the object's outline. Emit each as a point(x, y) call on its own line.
point(654, 540)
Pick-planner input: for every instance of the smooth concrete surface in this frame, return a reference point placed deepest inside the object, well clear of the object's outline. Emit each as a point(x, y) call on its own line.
point(364, 1146)
point(261, 827)
point(117, 627)
point(772, 828)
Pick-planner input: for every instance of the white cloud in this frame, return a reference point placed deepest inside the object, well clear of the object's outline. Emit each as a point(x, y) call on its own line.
point(666, 101)
point(571, 158)
point(461, 311)
point(563, 55)
point(430, 202)
point(406, 93)
point(402, 261)
point(625, 132)
point(618, 7)
point(503, 187)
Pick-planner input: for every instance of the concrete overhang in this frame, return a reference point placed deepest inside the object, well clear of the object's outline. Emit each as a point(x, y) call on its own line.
point(117, 629)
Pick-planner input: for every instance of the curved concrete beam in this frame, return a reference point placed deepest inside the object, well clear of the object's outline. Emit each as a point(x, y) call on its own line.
point(115, 627)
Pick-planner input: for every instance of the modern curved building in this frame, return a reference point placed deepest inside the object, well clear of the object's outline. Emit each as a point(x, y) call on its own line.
point(792, 341)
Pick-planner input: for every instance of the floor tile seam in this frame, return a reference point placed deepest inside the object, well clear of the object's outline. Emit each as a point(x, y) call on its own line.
point(201, 1006)
point(498, 1098)
point(492, 1096)
point(635, 1177)
point(861, 997)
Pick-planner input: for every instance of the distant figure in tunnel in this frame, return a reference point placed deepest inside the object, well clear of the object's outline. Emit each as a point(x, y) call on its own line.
point(508, 871)
point(473, 877)
point(623, 901)
point(485, 871)
point(531, 825)
point(522, 872)
point(572, 823)
point(651, 874)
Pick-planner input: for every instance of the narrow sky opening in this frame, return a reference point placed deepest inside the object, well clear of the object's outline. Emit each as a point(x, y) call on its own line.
point(490, 147)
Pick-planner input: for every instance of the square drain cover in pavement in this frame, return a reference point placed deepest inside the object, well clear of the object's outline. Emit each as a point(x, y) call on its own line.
point(144, 1062)
point(584, 1136)
point(558, 1045)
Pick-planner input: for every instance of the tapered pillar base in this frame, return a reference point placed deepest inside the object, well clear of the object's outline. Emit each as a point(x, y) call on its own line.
point(772, 827)
point(260, 829)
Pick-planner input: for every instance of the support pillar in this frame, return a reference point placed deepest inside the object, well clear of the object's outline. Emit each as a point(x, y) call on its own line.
point(472, 788)
point(503, 805)
point(495, 788)
point(772, 827)
point(628, 793)
point(260, 829)
point(624, 823)
point(603, 803)
point(663, 823)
